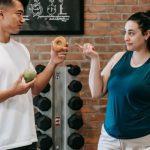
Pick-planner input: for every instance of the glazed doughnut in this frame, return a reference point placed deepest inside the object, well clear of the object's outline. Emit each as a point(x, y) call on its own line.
point(59, 43)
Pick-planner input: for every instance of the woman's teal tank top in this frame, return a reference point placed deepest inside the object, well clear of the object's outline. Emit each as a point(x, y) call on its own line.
point(128, 108)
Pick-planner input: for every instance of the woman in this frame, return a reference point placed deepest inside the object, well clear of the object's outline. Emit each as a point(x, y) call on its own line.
point(126, 79)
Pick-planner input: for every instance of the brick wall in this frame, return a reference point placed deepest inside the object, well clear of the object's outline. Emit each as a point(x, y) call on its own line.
point(104, 22)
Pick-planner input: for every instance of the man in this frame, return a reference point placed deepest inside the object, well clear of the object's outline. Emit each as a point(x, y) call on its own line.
point(17, 128)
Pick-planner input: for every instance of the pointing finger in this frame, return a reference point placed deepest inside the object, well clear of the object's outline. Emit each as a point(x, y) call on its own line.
point(79, 46)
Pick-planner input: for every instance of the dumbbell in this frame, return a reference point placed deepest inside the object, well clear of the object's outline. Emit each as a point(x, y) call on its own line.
point(44, 141)
point(75, 141)
point(74, 70)
point(46, 89)
point(38, 132)
point(42, 121)
point(39, 68)
point(75, 103)
point(43, 103)
point(75, 86)
point(75, 121)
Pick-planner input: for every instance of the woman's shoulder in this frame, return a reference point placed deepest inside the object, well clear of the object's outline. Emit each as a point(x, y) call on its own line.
point(116, 57)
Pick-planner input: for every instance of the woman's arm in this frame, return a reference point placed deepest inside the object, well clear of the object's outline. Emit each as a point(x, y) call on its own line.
point(97, 79)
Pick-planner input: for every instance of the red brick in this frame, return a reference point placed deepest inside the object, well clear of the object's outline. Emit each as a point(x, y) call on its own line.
point(117, 39)
point(99, 8)
point(90, 147)
point(90, 16)
point(126, 2)
point(104, 2)
point(143, 2)
point(97, 117)
point(92, 139)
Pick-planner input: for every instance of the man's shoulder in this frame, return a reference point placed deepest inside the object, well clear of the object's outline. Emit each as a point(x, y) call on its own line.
point(17, 43)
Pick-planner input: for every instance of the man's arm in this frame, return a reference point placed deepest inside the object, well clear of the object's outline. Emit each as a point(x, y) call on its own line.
point(18, 88)
point(43, 78)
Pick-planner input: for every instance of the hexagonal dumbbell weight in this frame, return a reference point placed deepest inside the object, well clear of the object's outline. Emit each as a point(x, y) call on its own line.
point(75, 141)
point(75, 121)
point(42, 121)
point(44, 141)
point(46, 89)
point(75, 86)
point(39, 68)
point(75, 103)
point(74, 70)
point(43, 103)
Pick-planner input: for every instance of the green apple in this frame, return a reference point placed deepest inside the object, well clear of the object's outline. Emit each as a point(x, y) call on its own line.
point(29, 75)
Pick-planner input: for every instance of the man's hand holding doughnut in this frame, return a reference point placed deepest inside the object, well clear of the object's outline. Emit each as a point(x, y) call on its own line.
point(59, 50)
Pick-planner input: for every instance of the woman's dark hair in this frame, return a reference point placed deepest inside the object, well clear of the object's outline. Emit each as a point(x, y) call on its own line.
point(10, 2)
point(143, 20)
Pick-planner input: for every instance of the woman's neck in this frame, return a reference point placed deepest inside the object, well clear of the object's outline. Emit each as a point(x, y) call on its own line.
point(140, 57)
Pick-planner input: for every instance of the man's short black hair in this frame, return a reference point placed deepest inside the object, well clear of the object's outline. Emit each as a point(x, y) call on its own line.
point(10, 2)
point(24, 2)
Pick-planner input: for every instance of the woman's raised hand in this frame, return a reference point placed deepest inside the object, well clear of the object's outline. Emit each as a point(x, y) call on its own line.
point(88, 50)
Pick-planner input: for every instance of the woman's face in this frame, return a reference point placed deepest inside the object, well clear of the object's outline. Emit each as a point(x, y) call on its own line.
point(134, 39)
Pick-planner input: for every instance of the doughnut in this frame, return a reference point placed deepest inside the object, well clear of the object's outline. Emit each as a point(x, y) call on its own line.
point(59, 43)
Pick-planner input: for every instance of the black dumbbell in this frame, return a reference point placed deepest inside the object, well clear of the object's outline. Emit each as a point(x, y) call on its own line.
point(75, 141)
point(44, 142)
point(75, 103)
point(74, 70)
point(43, 103)
point(38, 133)
point(75, 86)
point(75, 121)
point(37, 115)
point(46, 89)
point(35, 99)
point(39, 68)
point(42, 121)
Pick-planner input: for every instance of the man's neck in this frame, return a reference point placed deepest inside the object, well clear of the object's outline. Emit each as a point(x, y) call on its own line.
point(4, 39)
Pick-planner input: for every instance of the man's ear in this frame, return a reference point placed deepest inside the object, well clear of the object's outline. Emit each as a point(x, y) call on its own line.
point(1, 12)
point(147, 34)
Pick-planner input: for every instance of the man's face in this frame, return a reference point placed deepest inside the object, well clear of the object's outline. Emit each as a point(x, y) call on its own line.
point(12, 18)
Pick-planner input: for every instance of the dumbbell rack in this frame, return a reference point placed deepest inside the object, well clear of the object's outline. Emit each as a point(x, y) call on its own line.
point(47, 113)
point(59, 112)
